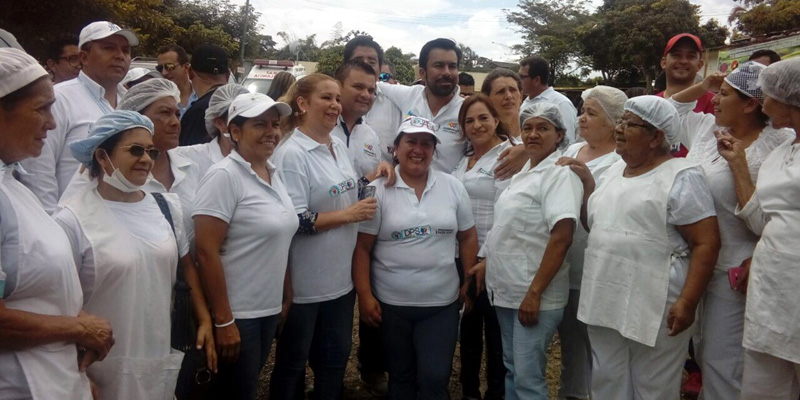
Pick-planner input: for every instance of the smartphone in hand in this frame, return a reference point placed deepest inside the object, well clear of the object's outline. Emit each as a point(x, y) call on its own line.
point(366, 192)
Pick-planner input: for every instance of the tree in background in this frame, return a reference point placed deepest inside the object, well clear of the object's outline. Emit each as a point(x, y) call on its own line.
point(760, 17)
point(549, 28)
point(403, 64)
point(630, 35)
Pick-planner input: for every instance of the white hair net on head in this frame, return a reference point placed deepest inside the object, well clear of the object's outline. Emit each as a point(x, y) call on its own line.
point(548, 112)
point(612, 100)
point(745, 80)
point(781, 81)
point(147, 92)
point(658, 112)
point(219, 103)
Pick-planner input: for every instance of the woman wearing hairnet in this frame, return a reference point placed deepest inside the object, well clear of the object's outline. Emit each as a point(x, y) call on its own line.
point(207, 154)
point(602, 107)
point(738, 111)
point(127, 245)
point(534, 221)
point(45, 338)
point(653, 241)
point(770, 208)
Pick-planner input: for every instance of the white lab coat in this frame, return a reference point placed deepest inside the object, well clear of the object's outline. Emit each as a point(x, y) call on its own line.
point(46, 283)
point(132, 288)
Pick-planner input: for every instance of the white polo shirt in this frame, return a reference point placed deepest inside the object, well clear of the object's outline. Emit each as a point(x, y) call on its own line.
point(187, 178)
point(317, 182)
point(413, 262)
point(384, 117)
point(482, 187)
point(204, 155)
point(411, 100)
point(568, 112)
point(79, 103)
point(524, 215)
point(363, 144)
point(261, 224)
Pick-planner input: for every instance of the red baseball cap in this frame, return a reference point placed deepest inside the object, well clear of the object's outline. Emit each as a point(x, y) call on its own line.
point(678, 37)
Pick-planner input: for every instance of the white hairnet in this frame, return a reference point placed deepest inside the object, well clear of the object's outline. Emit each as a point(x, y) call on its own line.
point(147, 92)
point(612, 100)
point(219, 103)
point(745, 80)
point(781, 81)
point(546, 111)
point(17, 70)
point(657, 112)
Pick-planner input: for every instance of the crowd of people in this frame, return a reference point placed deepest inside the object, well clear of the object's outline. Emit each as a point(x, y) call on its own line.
point(161, 228)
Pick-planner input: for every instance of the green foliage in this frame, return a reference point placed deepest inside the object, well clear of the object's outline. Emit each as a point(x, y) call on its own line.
point(403, 64)
point(329, 59)
point(766, 16)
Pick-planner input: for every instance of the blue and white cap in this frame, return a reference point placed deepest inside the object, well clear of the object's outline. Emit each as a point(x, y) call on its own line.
point(106, 127)
point(745, 80)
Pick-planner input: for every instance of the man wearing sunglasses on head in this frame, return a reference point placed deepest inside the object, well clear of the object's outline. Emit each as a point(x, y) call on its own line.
point(63, 59)
point(173, 64)
point(105, 56)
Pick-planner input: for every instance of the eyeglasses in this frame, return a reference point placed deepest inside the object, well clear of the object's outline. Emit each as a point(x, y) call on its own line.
point(166, 66)
point(385, 76)
point(138, 150)
point(423, 123)
point(73, 60)
point(625, 123)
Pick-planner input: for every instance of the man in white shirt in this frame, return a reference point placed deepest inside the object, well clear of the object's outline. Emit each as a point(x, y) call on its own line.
point(384, 117)
point(105, 57)
point(535, 74)
point(173, 63)
point(357, 81)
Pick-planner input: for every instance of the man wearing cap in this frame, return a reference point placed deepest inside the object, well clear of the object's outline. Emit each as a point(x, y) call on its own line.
point(210, 70)
point(105, 55)
point(681, 62)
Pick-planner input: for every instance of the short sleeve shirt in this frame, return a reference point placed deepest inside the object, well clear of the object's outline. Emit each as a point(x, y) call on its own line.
point(413, 260)
point(261, 224)
point(363, 144)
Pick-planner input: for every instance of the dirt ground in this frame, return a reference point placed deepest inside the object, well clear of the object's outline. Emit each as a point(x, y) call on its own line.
point(352, 381)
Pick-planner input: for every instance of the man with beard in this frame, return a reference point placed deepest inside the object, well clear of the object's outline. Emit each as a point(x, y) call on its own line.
point(681, 62)
point(105, 55)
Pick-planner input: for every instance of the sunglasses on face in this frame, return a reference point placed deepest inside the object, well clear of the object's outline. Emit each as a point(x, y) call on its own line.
point(138, 150)
point(385, 76)
point(166, 66)
point(74, 60)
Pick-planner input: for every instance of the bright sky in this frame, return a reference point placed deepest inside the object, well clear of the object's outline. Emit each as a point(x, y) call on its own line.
point(480, 24)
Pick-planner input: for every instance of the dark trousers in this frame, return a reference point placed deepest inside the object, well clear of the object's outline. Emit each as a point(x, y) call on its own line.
point(371, 359)
point(239, 380)
point(472, 330)
point(419, 343)
point(327, 325)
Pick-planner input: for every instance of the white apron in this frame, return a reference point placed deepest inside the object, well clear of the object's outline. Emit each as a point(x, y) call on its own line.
point(133, 290)
point(47, 283)
point(628, 259)
point(772, 310)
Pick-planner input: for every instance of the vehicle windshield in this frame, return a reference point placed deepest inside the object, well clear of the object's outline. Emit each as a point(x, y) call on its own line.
point(257, 85)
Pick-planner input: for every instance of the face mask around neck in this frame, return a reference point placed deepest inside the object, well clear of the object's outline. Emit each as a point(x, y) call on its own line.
point(119, 181)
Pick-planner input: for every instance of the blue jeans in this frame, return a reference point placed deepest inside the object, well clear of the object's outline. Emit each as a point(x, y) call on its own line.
point(525, 352)
point(239, 380)
point(419, 343)
point(329, 326)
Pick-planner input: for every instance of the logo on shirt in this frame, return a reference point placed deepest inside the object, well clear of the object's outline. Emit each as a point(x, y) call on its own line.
point(451, 127)
point(342, 187)
point(445, 231)
point(486, 172)
point(369, 150)
point(412, 233)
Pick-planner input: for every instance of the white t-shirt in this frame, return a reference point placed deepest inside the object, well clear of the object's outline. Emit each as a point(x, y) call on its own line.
point(697, 134)
point(142, 219)
point(482, 187)
point(411, 100)
point(568, 112)
point(536, 199)
point(79, 103)
point(320, 264)
point(575, 255)
point(204, 155)
point(261, 224)
point(413, 261)
point(384, 117)
point(363, 145)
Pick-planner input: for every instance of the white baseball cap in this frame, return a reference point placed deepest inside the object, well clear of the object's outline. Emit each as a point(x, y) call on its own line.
point(103, 29)
point(251, 105)
point(414, 124)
